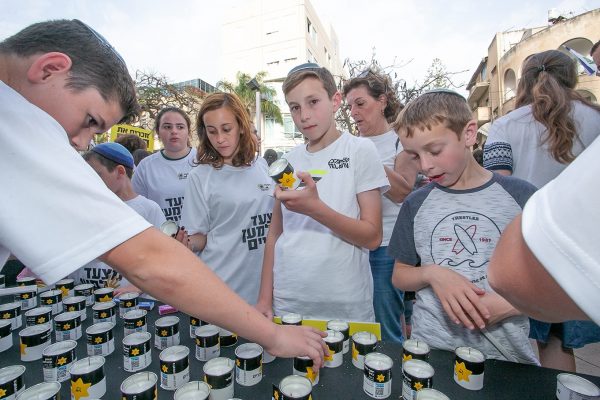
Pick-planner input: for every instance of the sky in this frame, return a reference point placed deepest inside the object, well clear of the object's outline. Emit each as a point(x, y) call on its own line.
point(180, 39)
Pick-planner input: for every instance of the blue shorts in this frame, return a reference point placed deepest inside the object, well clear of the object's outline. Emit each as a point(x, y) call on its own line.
point(573, 334)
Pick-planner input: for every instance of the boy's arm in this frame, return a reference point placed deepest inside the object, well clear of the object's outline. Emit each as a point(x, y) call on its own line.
point(164, 268)
point(498, 307)
point(402, 177)
point(364, 232)
point(265, 294)
point(459, 297)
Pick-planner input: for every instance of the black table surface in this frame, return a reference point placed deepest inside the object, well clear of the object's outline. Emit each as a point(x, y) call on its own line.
point(503, 380)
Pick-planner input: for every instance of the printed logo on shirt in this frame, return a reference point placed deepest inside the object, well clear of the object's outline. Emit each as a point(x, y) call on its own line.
point(464, 238)
point(257, 233)
point(336, 163)
point(182, 175)
point(173, 211)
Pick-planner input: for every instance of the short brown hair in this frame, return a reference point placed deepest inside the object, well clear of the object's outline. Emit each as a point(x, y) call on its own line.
point(247, 145)
point(309, 70)
point(432, 108)
point(377, 84)
point(594, 47)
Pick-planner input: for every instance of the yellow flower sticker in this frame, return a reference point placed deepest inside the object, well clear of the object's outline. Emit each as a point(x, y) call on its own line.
point(462, 373)
point(287, 180)
point(80, 389)
point(61, 361)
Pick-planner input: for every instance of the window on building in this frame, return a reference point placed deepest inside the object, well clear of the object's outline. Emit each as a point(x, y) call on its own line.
point(310, 57)
point(290, 131)
point(308, 25)
point(483, 73)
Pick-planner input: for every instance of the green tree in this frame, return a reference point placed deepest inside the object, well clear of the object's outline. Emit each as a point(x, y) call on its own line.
point(268, 106)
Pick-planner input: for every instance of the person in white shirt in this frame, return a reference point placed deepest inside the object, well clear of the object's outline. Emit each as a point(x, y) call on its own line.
point(229, 196)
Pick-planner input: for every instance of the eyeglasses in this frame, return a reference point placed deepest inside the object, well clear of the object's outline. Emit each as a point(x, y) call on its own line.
point(102, 40)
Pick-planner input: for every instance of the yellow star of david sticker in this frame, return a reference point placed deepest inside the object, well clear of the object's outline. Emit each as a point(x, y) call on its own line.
point(64, 290)
point(139, 323)
point(128, 304)
point(198, 342)
point(287, 180)
point(461, 371)
point(135, 352)
point(98, 340)
point(238, 363)
point(380, 378)
point(311, 375)
point(164, 368)
point(418, 386)
point(2, 393)
point(194, 322)
point(41, 320)
point(330, 356)
point(105, 299)
point(6, 316)
point(22, 348)
point(66, 327)
point(49, 301)
point(276, 395)
point(25, 296)
point(163, 332)
point(103, 315)
point(354, 352)
point(310, 397)
point(61, 361)
point(71, 308)
point(406, 357)
point(80, 389)
point(123, 398)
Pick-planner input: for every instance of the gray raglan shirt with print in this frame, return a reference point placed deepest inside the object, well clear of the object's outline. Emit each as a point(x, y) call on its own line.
point(459, 229)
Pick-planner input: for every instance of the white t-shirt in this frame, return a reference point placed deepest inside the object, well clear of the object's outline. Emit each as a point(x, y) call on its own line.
point(560, 225)
point(316, 273)
point(98, 273)
point(163, 181)
point(56, 214)
point(232, 206)
point(388, 148)
point(515, 143)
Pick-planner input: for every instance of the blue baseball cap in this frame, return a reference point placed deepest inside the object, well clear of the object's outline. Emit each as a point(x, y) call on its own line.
point(115, 152)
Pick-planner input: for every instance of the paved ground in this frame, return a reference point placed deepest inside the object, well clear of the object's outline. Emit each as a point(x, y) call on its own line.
point(588, 359)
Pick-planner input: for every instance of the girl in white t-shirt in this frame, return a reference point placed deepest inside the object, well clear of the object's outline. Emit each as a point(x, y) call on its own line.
point(228, 196)
point(162, 176)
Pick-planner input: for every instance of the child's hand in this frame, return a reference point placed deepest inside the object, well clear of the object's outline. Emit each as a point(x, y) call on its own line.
point(265, 308)
point(459, 297)
point(182, 237)
point(498, 307)
point(126, 289)
point(304, 201)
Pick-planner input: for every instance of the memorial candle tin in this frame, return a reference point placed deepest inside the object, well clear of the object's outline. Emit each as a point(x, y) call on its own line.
point(282, 172)
point(573, 387)
point(377, 380)
point(137, 351)
point(166, 332)
point(344, 329)
point(335, 343)
point(28, 299)
point(26, 281)
point(39, 316)
point(135, 321)
point(33, 340)
point(12, 312)
point(417, 375)
point(104, 312)
point(66, 286)
point(67, 326)
point(248, 364)
point(293, 387)
point(303, 366)
point(57, 359)
point(6, 337)
point(468, 368)
point(414, 349)
point(42, 391)
point(86, 290)
point(11, 381)
point(128, 302)
point(2, 281)
point(104, 295)
point(431, 394)
point(53, 299)
point(76, 303)
point(88, 380)
point(100, 339)
point(227, 338)
point(207, 342)
point(174, 367)
point(291, 319)
point(195, 323)
point(218, 373)
point(194, 390)
point(140, 386)
point(363, 343)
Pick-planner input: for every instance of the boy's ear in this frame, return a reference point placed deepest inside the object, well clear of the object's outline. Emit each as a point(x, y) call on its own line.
point(48, 65)
point(470, 133)
point(121, 170)
point(337, 101)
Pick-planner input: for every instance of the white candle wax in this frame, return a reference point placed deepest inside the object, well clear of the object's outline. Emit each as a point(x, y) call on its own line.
point(416, 346)
point(470, 354)
point(418, 369)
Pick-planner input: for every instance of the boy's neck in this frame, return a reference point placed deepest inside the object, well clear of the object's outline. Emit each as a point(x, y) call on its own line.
point(473, 176)
point(126, 192)
point(329, 137)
